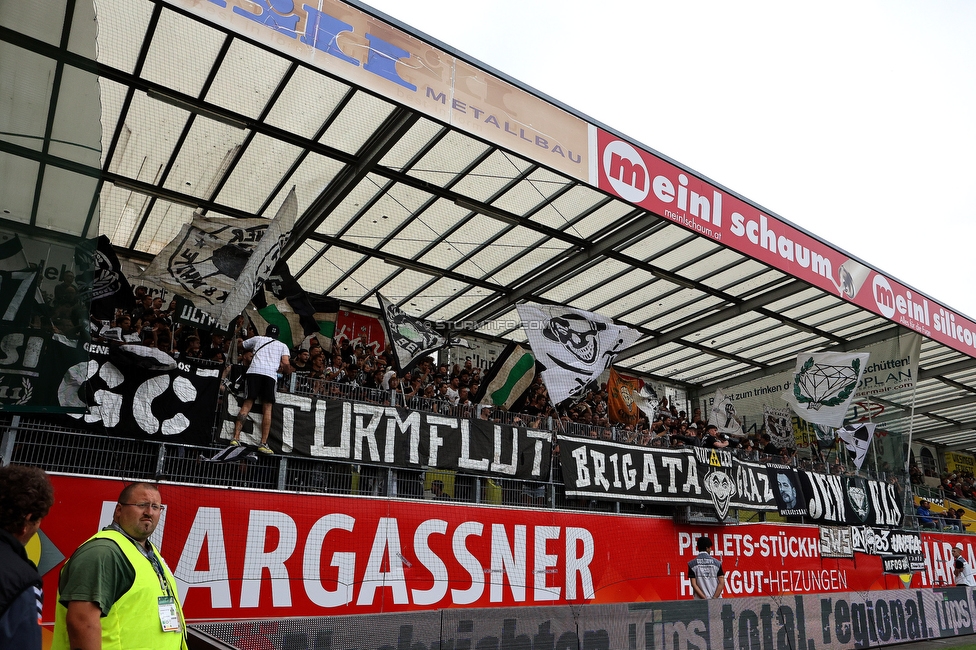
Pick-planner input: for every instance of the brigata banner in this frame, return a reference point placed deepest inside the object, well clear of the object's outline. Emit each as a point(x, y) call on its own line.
point(397, 437)
point(650, 182)
point(609, 470)
point(596, 469)
point(240, 553)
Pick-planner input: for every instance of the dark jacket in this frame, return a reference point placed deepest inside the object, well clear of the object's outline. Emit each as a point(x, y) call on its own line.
point(20, 596)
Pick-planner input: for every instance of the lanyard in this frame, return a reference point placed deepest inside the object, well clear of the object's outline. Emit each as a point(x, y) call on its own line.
point(148, 552)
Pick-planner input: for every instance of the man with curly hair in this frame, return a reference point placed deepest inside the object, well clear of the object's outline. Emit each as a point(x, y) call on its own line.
point(26, 496)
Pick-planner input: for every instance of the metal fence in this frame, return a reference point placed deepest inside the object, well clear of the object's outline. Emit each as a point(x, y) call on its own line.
point(36, 441)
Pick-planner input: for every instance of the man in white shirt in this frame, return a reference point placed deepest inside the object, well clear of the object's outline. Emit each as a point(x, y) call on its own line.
point(261, 381)
point(961, 568)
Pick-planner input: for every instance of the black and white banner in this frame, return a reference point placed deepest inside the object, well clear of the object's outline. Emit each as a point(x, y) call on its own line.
point(218, 263)
point(411, 337)
point(896, 564)
point(102, 280)
point(858, 438)
point(32, 364)
point(883, 541)
point(575, 347)
point(723, 415)
point(835, 541)
point(132, 395)
point(850, 500)
point(375, 434)
point(786, 490)
point(598, 469)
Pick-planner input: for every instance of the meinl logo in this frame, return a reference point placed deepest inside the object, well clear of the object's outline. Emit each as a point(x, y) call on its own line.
point(626, 171)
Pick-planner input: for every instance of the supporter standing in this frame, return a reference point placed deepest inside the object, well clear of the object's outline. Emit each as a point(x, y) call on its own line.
point(707, 576)
point(961, 568)
point(115, 591)
point(26, 496)
point(712, 439)
point(270, 358)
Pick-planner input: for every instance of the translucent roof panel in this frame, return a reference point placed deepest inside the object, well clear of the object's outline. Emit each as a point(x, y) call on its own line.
point(395, 194)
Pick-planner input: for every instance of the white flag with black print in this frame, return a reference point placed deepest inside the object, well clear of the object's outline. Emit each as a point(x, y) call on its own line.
point(823, 385)
point(857, 437)
point(219, 263)
point(723, 415)
point(411, 337)
point(573, 345)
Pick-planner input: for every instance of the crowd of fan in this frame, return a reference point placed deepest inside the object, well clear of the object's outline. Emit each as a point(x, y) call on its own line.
point(354, 369)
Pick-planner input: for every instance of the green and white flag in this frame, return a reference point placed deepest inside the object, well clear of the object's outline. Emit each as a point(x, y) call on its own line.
point(508, 378)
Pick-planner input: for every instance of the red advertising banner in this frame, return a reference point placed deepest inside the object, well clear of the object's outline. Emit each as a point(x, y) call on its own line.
point(656, 185)
point(937, 548)
point(360, 328)
point(246, 553)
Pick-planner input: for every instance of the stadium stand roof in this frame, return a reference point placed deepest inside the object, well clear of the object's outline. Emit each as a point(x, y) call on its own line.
point(206, 106)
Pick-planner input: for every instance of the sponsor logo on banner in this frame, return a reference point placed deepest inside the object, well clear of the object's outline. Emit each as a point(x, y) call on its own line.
point(801, 622)
point(342, 40)
point(335, 554)
point(650, 182)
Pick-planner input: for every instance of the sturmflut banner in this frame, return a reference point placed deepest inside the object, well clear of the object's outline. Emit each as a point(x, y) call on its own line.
point(375, 434)
point(597, 469)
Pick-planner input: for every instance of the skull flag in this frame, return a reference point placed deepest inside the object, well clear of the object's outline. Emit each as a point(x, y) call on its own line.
point(574, 346)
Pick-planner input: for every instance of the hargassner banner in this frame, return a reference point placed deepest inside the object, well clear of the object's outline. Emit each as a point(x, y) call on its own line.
point(243, 553)
point(342, 40)
point(650, 182)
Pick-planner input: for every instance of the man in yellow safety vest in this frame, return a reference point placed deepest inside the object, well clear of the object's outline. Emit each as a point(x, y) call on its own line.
point(116, 592)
